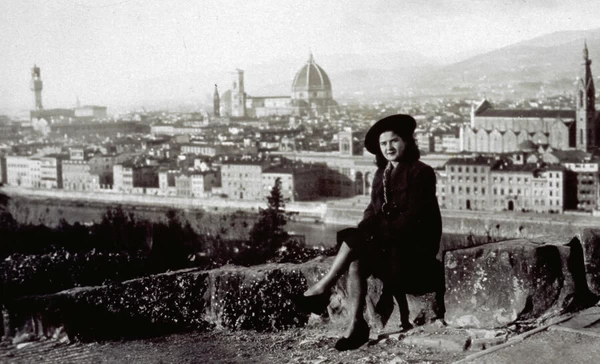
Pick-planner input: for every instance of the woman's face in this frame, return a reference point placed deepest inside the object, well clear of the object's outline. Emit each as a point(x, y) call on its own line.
point(392, 146)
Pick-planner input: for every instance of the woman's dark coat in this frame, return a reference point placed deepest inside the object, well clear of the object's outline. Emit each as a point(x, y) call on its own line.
point(409, 235)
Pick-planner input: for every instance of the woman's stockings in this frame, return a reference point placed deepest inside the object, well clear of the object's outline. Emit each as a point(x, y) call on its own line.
point(341, 262)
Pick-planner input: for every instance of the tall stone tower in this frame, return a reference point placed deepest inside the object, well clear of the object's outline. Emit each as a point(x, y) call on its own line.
point(36, 87)
point(238, 96)
point(585, 108)
point(216, 103)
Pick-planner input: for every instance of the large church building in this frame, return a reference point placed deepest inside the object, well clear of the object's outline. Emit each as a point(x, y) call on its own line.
point(507, 130)
point(310, 95)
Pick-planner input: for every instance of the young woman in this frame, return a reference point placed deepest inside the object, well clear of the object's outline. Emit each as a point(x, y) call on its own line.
point(398, 237)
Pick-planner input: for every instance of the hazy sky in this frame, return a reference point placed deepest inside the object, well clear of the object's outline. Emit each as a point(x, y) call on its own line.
point(101, 50)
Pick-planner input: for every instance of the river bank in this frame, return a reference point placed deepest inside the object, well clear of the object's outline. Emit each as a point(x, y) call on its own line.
point(234, 224)
point(317, 220)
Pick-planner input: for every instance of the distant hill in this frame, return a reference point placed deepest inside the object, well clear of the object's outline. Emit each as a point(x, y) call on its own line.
point(552, 61)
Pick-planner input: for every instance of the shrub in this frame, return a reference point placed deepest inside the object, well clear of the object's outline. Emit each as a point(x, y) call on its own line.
point(258, 305)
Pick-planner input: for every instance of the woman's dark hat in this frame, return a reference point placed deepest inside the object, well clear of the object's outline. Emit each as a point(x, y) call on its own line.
point(402, 124)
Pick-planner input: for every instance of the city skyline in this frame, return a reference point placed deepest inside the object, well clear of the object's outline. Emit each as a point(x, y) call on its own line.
point(119, 53)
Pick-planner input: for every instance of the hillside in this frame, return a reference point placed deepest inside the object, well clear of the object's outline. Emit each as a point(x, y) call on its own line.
point(551, 61)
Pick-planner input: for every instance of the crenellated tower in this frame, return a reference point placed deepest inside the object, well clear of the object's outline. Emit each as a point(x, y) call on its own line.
point(216, 103)
point(36, 87)
point(585, 108)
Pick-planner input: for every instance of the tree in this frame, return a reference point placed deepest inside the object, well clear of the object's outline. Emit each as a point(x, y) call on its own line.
point(267, 235)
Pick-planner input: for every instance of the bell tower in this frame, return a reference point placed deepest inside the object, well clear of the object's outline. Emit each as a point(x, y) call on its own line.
point(585, 108)
point(216, 103)
point(238, 95)
point(36, 87)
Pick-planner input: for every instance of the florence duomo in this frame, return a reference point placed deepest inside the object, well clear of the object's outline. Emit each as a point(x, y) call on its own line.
point(311, 94)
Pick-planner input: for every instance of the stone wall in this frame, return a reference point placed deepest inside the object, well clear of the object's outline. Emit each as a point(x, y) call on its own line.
point(487, 286)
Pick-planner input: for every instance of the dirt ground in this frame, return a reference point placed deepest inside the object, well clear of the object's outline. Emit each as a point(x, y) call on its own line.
point(308, 345)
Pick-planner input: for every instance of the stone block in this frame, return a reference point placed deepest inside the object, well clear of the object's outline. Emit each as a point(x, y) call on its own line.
point(496, 284)
point(147, 306)
point(590, 241)
point(422, 308)
point(446, 342)
point(257, 298)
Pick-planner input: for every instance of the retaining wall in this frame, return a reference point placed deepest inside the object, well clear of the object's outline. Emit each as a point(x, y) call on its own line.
point(487, 286)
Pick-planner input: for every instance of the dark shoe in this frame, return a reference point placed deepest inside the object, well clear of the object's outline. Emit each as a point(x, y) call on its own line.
point(405, 327)
point(357, 338)
point(312, 304)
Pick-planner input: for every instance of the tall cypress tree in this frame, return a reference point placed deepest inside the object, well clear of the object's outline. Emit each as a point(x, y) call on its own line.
point(267, 235)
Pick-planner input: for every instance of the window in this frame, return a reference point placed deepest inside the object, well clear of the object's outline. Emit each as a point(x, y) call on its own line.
point(467, 169)
point(483, 190)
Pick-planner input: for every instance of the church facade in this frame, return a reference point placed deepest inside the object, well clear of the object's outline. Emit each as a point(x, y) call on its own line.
point(508, 130)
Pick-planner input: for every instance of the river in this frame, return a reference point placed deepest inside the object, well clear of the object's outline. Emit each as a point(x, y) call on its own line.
point(49, 212)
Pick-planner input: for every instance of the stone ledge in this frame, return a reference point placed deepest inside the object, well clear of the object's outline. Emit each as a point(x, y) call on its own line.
point(497, 284)
point(257, 298)
point(488, 286)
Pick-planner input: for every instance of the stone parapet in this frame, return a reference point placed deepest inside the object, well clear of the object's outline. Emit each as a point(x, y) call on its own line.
point(590, 241)
point(488, 286)
point(498, 284)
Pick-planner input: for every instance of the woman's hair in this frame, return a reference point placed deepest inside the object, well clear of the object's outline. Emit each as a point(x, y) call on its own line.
point(411, 151)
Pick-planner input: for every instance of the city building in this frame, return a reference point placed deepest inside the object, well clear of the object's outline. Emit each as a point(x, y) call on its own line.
point(41, 118)
point(497, 184)
point(23, 171)
point(242, 180)
point(51, 171)
point(581, 177)
point(102, 166)
point(298, 183)
point(195, 184)
point(90, 112)
point(76, 176)
point(502, 130)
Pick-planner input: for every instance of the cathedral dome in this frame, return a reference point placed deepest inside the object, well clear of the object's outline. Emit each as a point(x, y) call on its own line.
point(311, 78)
